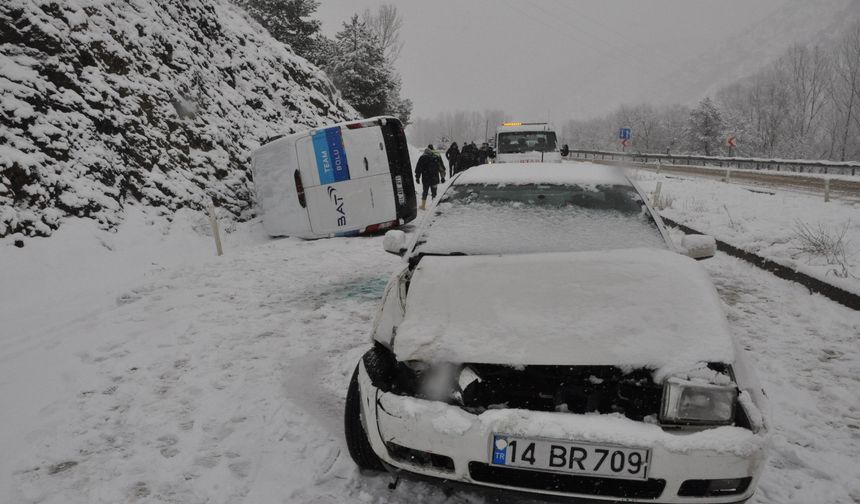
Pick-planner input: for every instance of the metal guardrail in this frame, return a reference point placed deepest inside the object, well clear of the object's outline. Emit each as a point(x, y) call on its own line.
point(780, 165)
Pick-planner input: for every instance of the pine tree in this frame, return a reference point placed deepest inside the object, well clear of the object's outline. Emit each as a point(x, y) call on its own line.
point(322, 50)
point(398, 106)
point(360, 70)
point(287, 21)
point(705, 129)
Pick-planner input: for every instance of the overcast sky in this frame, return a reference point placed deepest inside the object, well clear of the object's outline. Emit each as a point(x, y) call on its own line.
point(565, 58)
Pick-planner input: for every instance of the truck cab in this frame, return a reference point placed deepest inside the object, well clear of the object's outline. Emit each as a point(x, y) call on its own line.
point(518, 142)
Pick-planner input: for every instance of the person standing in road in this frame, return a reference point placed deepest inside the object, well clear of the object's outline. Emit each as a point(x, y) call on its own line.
point(428, 172)
point(468, 157)
point(453, 155)
point(484, 153)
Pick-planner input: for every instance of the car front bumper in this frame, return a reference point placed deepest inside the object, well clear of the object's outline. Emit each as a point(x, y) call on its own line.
point(460, 444)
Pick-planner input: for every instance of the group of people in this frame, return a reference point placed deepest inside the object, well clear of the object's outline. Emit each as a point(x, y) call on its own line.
point(430, 171)
point(470, 156)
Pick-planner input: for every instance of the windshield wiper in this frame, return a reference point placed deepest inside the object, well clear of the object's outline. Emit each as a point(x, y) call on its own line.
point(413, 261)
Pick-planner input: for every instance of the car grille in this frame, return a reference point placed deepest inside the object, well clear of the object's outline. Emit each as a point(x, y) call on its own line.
point(567, 483)
point(575, 389)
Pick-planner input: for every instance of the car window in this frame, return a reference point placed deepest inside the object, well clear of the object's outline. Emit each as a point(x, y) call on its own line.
point(509, 219)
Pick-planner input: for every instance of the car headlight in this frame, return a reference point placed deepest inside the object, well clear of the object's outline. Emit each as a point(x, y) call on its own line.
point(444, 382)
point(436, 382)
point(688, 402)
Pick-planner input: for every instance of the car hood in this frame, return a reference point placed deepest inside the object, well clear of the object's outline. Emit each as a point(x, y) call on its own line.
point(642, 308)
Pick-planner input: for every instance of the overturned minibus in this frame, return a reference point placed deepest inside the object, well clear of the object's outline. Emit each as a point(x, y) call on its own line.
point(340, 180)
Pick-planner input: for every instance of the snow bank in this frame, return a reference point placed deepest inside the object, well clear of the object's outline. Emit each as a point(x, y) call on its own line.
point(153, 101)
point(767, 222)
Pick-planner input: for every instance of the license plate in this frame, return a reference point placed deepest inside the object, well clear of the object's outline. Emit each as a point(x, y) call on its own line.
point(401, 195)
point(570, 457)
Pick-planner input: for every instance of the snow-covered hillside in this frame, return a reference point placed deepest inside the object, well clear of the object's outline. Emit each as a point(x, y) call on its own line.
point(747, 52)
point(157, 101)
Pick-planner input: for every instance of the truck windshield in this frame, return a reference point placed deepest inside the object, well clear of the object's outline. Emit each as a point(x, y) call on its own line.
point(527, 141)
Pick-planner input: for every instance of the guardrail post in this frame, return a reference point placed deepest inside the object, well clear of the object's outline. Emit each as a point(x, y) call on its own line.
point(729, 176)
point(826, 190)
point(656, 197)
point(213, 221)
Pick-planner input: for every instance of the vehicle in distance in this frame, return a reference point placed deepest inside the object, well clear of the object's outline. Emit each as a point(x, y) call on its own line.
point(518, 142)
point(546, 336)
point(339, 180)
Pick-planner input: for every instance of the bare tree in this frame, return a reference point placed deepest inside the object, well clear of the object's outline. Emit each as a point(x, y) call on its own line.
point(457, 126)
point(386, 22)
point(807, 81)
point(845, 84)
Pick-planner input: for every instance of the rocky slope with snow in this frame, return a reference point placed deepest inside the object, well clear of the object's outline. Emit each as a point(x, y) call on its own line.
point(106, 104)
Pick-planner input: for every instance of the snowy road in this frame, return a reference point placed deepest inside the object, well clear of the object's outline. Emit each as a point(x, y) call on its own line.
point(224, 381)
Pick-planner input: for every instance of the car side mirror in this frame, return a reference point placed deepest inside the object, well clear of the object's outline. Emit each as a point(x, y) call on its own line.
point(395, 242)
point(565, 150)
point(699, 246)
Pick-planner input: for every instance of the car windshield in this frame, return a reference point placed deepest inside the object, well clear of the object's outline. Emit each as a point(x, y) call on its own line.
point(527, 141)
point(477, 219)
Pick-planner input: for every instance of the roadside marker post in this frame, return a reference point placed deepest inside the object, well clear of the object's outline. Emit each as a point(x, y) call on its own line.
point(827, 190)
point(213, 221)
point(656, 197)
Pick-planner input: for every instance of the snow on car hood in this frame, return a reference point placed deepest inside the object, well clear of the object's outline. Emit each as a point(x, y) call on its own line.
point(638, 307)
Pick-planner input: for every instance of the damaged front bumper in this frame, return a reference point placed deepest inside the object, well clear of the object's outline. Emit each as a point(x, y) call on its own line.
point(441, 441)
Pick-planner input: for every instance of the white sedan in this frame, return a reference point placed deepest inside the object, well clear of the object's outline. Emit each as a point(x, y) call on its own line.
point(545, 336)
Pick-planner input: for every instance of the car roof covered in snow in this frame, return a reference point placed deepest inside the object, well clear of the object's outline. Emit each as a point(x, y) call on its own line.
point(543, 173)
point(641, 308)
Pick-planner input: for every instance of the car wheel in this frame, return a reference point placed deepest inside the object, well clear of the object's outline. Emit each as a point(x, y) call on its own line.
point(356, 438)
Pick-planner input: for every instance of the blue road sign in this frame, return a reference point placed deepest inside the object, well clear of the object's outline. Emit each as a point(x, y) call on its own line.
point(625, 134)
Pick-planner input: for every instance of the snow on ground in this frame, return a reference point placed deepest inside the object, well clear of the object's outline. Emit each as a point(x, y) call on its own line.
point(160, 373)
point(765, 222)
point(806, 350)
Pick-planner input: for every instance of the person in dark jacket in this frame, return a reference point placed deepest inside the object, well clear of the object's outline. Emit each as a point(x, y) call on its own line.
point(484, 153)
point(468, 157)
point(453, 155)
point(428, 172)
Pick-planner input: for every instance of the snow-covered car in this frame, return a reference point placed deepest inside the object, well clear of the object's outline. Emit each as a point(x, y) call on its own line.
point(546, 336)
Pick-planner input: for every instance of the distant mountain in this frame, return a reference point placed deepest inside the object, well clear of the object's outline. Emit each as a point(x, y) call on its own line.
point(155, 102)
point(800, 21)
